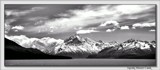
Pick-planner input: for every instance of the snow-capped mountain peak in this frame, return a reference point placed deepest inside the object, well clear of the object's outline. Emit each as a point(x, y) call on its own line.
point(81, 47)
point(74, 40)
point(45, 44)
point(132, 43)
point(78, 47)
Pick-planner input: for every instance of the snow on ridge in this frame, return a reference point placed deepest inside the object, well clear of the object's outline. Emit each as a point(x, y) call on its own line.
point(55, 46)
point(45, 44)
point(137, 43)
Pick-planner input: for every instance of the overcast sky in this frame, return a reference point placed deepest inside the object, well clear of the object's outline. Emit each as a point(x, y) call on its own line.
point(98, 22)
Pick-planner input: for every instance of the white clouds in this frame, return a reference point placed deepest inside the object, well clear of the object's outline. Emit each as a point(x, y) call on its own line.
point(93, 28)
point(110, 30)
point(9, 12)
point(77, 19)
point(152, 30)
point(18, 13)
point(37, 18)
point(37, 8)
point(7, 28)
point(15, 13)
point(124, 27)
point(88, 16)
point(85, 31)
point(141, 25)
point(7, 24)
point(130, 9)
point(17, 28)
point(115, 23)
point(8, 21)
point(115, 26)
point(78, 28)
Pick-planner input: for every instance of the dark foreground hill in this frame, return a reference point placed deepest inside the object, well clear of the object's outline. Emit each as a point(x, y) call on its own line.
point(15, 51)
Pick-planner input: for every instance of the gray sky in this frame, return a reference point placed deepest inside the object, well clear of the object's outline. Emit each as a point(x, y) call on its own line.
point(98, 22)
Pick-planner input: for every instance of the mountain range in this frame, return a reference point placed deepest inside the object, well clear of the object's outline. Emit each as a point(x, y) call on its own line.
point(131, 49)
point(83, 47)
point(15, 51)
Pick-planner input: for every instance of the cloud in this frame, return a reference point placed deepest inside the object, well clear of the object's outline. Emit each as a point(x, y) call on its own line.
point(78, 28)
point(141, 25)
point(18, 13)
point(115, 23)
point(124, 27)
point(17, 28)
point(131, 9)
point(81, 18)
point(37, 8)
point(110, 30)
point(86, 31)
point(37, 18)
point(7, 24)
point(71, 20)
point(152, 30)
point(7, 28)
point(13, 16)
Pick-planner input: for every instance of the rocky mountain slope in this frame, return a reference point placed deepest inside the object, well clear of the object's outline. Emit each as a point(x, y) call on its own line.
point(82, 47)
point(15, 51)
point(78, 47)
point(133, 49)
